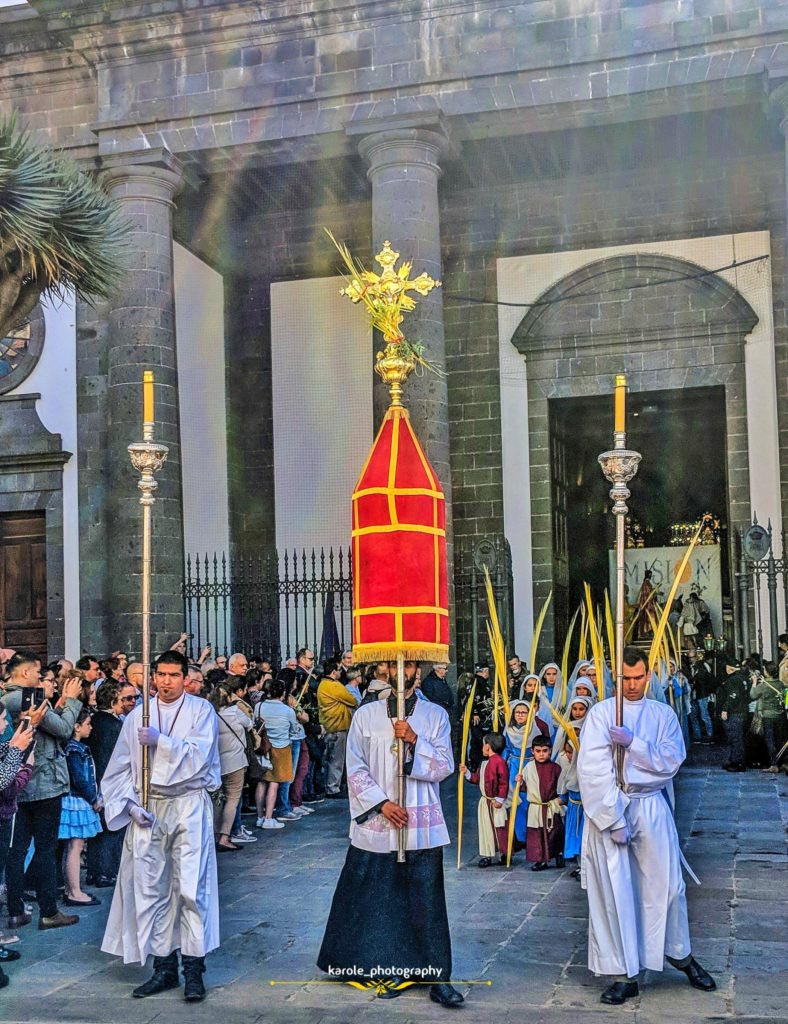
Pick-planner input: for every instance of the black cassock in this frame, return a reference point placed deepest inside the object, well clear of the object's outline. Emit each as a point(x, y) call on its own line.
point(387, 918)
point(386, 914)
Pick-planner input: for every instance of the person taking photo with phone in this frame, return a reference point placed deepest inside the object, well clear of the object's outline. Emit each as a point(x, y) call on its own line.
point(38, 816)
point(16, 767)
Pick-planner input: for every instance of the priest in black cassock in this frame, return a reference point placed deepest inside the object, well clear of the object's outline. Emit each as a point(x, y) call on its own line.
point(388, 920)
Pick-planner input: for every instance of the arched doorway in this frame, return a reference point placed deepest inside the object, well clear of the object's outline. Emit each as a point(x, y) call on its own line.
point(671, 326)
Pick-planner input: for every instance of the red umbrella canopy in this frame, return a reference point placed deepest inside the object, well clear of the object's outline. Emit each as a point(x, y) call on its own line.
point(400, 586)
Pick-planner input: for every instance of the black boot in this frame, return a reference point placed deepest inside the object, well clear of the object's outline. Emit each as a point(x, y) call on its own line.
point(4, 979)
point(193, 970)
point(165, 976)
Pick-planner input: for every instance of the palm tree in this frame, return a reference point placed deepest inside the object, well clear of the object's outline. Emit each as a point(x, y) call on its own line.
point(59, 230)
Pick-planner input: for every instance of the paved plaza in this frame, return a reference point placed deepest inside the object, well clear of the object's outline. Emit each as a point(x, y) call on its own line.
point(523, 932)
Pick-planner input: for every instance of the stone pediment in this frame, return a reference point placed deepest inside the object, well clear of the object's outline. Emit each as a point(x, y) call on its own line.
point(636, 299)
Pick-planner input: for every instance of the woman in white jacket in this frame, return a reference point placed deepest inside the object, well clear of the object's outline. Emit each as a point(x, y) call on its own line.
point(234, 721)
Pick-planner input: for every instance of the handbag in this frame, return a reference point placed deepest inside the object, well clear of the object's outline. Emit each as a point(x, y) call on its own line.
point(256, 762)
point(263, 744)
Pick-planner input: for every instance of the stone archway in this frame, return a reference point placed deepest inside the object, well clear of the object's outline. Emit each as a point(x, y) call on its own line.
point(668, 324)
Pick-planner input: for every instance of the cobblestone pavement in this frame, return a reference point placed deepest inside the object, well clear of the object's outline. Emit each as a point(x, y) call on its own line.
point(524, 932)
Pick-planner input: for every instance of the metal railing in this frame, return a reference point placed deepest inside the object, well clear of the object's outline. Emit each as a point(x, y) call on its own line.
point(267, 605)
point(473, 554)
point(758, 566)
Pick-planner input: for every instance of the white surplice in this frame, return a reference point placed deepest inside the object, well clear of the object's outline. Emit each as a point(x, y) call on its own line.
point(636, 895)
point(372, 776)
point(166, 896)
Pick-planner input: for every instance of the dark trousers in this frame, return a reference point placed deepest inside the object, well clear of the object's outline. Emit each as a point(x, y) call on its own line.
point(169, 963)
point(301, 772)
point(104, 852)
point(38, 820)
point(734, 733)
point(5, 842)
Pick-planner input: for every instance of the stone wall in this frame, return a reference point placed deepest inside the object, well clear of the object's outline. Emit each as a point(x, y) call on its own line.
point(574, 123)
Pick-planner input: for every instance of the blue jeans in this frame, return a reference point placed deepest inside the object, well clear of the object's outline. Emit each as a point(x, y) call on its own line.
point(700, 713)
point(283, 796)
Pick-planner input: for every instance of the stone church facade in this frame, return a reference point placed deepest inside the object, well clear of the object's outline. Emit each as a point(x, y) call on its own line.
point(469, 134)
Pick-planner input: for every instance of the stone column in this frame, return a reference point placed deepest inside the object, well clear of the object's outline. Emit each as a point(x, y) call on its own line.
point(777, 91)
point(141, 336)
point(403, 158)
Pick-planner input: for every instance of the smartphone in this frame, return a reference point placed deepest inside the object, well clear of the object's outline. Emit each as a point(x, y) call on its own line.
point(32, 696)
point(28, 752)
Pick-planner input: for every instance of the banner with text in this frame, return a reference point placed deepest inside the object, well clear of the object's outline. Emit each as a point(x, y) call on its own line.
point(703, 569)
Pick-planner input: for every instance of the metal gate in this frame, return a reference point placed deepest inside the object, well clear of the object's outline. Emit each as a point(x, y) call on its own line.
point(473, 554)
point(762, 584)
point(267, 605)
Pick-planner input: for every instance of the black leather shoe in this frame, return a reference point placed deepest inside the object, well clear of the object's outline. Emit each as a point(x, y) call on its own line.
point(103, 882)
point(446, 995)
point(699, 978)
point(485, 862)
point(161, 981)
point(540, 866)
point(619, 992)
point(390, 993)
point(7, 955)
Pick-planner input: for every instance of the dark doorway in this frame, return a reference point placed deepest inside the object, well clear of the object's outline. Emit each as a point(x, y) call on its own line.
point(23, 582)
point(681, 436)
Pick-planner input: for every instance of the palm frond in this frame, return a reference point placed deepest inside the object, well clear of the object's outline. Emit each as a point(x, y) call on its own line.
point(59, 230)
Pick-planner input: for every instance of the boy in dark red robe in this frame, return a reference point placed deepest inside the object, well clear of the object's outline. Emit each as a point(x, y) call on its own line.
point(545, 832)
point(493, 780)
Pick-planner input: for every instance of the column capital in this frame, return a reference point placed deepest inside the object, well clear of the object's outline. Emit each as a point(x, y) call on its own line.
point(402, 141)
point(776, 86)
point(154, 174)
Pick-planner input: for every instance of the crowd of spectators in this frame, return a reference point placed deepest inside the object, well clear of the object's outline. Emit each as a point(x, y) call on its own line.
point(282, 739)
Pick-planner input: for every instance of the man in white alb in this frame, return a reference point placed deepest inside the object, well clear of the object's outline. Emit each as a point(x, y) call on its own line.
point(631, 858)
point(166, 897)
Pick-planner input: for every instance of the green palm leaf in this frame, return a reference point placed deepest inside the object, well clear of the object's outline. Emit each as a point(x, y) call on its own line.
point(59, 230)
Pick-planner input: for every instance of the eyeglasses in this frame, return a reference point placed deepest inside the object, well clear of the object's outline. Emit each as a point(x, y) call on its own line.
point(128, 700)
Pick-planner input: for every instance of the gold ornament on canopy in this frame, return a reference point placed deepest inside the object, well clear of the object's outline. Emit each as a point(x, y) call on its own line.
point(386, 298)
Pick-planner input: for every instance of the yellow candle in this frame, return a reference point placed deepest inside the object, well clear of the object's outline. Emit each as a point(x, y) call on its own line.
point(621, 403)
point(147, 396)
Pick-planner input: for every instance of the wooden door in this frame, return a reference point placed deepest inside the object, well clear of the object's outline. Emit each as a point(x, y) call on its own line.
point(23, 582)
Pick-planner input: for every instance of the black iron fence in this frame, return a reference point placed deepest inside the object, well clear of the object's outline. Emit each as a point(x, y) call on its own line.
point(268, 605)
point(760, 578)
point(472, 555)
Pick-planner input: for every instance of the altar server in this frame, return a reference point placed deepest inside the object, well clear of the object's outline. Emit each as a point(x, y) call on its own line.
point(166, 896)
point(631, 859)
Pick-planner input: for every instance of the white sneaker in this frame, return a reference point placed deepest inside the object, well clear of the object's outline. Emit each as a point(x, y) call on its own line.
point(299, 812)
point(305, 810)
point(259, 823)
point(241, 838)
point(271, 823)
point(245, 831)
point(289, 816)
